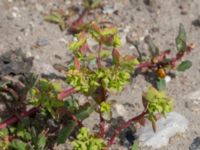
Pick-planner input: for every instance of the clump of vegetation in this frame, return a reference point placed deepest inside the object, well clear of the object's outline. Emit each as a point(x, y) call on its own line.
point(47, 112)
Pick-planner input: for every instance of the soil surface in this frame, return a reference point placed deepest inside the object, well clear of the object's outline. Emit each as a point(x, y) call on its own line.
point(22, 29)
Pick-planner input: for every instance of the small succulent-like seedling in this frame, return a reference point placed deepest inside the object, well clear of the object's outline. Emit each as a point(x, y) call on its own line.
point(85, 141)
point(61, 18)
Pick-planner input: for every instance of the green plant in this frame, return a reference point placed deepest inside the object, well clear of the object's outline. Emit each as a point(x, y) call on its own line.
point(45, 113)
point(85, 141)
point(161, 63)
point(61, 17)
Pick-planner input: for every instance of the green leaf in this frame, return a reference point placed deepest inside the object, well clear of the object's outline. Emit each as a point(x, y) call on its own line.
point(65, 132)
point(18, 145)
point(105, 54)
point(41, 142)
point(4, 132)
point(56, 17)
point(95, 4)
point(184, 65)
point(71, 104)
point(135, 146)
point(153, 49)
point(84, 112)
point(160, 84)
point(181, 39)
point(57, 86)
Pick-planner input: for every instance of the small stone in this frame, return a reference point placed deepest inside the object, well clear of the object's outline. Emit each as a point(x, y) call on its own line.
point(18, 38)
point(37, 57)
point(195, 144)
point(166, 128)
point(14, 14)
point(132, 47)
point(167, 79)
point(120, 110)
point(29, 54)
point(193, 102)
point(42, 42)
point(109, 9)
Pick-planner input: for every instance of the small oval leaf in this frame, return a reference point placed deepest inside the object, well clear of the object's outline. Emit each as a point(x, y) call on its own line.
point(160, 84)
point(184, 65)
point(181, 39)
point(65, 132)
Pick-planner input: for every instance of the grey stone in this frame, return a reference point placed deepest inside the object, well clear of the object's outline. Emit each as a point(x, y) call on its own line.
point(42, 42)
point(195, 144)
point(166, 128)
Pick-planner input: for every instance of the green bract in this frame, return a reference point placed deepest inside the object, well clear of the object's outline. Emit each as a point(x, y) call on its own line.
point(45, 94)
point(157, 101)
point(85, 141)
point(86, 80)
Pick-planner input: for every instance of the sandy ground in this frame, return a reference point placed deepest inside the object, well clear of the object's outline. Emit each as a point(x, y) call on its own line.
point(22, 26)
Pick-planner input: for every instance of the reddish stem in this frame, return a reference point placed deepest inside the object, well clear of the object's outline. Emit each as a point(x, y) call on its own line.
point(75, 24)
point(14, 118)
point(66, 93)
point(125, 125)
point(145, 65)
point(65, 111)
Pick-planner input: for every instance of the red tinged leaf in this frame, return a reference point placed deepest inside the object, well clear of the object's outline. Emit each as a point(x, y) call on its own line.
point(66, 93)
point(116, 56)
point(142, 121)
point(95, 27)
point(77, 63)
point(84, 49)
point(76, 25)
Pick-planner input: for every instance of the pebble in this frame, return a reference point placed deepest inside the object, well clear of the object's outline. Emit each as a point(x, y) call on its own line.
point(167, 79)
point(195, 144)
point(193, 102)
point(109, 9)
point(18, 38)
point(166, 128)
point(120, 110)
point(42, 42)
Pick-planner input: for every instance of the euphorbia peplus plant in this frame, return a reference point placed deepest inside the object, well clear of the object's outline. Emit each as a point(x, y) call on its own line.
point(162, 64)
point(98, 71)
point(61, 18)
point(95, 72)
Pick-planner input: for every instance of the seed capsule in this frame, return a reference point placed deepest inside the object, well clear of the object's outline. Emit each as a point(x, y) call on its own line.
point(161, 73)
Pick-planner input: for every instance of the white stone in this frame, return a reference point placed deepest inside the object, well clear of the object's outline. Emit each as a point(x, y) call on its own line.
point(193, 101)
point(166, 128)
point(109, 9)
point(14, 14)
point(120, 110)
point(167, 79)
